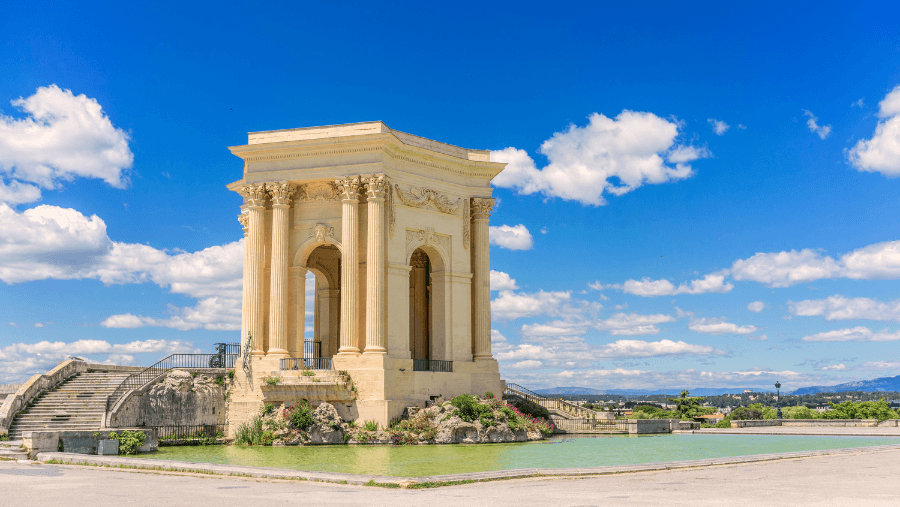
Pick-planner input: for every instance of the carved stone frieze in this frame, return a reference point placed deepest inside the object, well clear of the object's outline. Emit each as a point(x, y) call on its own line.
point(391, 216)
point(318, 191)
point(467, 223)
point(320, 232)
point(425, 197)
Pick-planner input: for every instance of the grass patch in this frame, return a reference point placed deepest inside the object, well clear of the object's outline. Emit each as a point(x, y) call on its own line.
point(389, 485)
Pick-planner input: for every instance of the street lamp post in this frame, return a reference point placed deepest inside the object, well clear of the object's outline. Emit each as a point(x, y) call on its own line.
point(778, 398)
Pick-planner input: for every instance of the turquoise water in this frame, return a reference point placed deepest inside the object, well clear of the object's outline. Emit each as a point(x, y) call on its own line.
point(557, 452)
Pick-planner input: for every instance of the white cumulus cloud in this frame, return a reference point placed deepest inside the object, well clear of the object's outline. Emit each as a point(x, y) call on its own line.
point(511, 305)
point(881, 153)
point(840, 308)
point(855, 334)
point(502, 281)
point(651, 288)
point(606, 156)
point(718, 326)
point(812, 123)
point(756, 306)
point(515, 237)
point(61, 137)
point(719, 126)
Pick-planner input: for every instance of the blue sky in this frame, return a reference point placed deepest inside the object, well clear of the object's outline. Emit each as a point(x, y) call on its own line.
point(696, 196)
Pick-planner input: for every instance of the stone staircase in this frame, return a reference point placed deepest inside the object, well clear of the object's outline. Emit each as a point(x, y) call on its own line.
point(10, 450)
point(77, 404)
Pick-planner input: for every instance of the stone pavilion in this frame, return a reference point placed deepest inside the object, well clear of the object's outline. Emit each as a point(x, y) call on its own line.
point(395, 229)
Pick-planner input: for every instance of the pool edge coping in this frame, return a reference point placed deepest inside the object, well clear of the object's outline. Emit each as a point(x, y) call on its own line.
point(424, 481)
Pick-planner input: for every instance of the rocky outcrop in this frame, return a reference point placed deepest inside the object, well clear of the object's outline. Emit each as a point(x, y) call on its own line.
point(178, 399)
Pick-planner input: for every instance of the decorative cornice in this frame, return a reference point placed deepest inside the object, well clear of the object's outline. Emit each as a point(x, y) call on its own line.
point(348, 188)
point(281, 192)
point(254, 194)
point(481, 207)
point(424, 197)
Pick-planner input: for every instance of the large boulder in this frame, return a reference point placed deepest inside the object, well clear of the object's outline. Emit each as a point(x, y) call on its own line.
point(328, 427)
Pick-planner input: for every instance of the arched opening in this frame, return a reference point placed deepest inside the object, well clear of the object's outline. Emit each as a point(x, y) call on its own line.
point(420, 314)
point(321, 335)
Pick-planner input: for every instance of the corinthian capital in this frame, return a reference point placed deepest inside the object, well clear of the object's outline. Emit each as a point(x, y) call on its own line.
point(348, 187)
point(244, 219)
point(375, 185)
point(481, 207)
point(254, 194)
point(281, 192)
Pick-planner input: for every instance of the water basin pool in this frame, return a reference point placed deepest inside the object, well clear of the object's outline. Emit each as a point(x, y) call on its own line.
point(557, 452)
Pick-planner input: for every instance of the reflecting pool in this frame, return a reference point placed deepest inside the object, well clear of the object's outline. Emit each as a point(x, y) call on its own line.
point(556, 452)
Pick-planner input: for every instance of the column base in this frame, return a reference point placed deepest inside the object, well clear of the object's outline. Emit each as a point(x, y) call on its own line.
point(483, 358)
point(348, 351)
point(375, 350)
point(277, 353)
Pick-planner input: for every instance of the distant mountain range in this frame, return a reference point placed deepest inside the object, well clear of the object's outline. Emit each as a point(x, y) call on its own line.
point(876, 385)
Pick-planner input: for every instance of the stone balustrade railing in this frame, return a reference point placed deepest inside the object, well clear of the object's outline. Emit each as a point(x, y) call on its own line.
point(37, 384)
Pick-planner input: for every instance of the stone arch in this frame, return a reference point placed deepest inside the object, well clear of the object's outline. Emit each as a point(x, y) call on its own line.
point(324, 262)
point(320, 234)
point(429, 298)
point(437, 246)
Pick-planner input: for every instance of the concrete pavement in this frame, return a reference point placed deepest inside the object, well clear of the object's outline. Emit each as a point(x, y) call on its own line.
point(857, 477)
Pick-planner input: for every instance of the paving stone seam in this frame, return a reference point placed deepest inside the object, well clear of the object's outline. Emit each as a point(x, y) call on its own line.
point(363, 479)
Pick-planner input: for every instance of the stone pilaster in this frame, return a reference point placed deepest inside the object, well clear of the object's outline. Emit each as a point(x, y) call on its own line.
point(298, 311)
point(254, 199)
point(349, 188)
point(481, 280)
point(375, 260)
point(280, 281)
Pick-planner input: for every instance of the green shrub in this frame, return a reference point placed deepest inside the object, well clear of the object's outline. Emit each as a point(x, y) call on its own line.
point(231, 374)
point(860, 410)
point(4, 437)
point(308, 372)
point(800, 412)
point(745, 414)
point(267, 409)
point(301, 415)
point(370, 426)
point(530, 409)
point(489, 395)
point(220, 380)
point(250, 433)
point(724, 423)
point(129, 441)
point(272, 380)
point(470, 409)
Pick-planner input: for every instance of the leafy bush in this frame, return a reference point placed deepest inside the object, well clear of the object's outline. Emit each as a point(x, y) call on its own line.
point(470, 409)
point(530, 409)
point(272, 380)
point(800, 412)
point(129, 441)
point(4, 437)
point(250, 433)
point(370, 426)
point(724, 423)
point(308, 372)
point(231, 374)
point(860, 410)
point(745, 414)
point(220, 380)
point(488, 395)
point(300, 415)
point(267, 409)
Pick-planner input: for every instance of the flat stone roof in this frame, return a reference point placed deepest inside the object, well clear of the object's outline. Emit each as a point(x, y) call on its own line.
point(362, 129)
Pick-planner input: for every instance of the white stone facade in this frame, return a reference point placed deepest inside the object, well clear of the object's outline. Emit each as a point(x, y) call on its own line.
point(395, 228)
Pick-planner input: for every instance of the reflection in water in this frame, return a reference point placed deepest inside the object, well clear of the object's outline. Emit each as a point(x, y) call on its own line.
point(557, 452)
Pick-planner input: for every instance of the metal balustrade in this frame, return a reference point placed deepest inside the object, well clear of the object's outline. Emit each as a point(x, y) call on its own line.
point(591, 425)
point(432, 365)
point(172, 362)
point(304, 363)
point(551, 403)
point(189, 432)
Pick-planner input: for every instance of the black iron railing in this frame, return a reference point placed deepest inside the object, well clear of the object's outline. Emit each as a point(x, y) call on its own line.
point(432, 365)
point(312, 348)
point(515, 390)
point(175, 361)
point(190, 432)
point(228, 348)
point(303, 363)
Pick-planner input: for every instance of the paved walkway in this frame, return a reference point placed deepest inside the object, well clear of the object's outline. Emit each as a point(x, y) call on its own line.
point(857, 478)
point(805, 430)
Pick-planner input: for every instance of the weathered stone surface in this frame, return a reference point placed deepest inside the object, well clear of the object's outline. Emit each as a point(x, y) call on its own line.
point(178, 399)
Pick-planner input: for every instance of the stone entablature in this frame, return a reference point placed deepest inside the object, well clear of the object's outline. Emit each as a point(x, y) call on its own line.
point(353, 204)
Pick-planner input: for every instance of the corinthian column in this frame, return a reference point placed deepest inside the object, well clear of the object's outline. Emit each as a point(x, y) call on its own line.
point(279, 295)
point(244, 219)
point(349, 188)
point(254, 199)
point(481, 279)
point(375, 290)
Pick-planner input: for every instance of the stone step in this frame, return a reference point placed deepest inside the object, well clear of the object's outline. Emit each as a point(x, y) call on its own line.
point(16, 455)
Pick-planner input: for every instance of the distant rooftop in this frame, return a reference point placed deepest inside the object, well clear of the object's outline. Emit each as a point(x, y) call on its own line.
point(361, 129)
